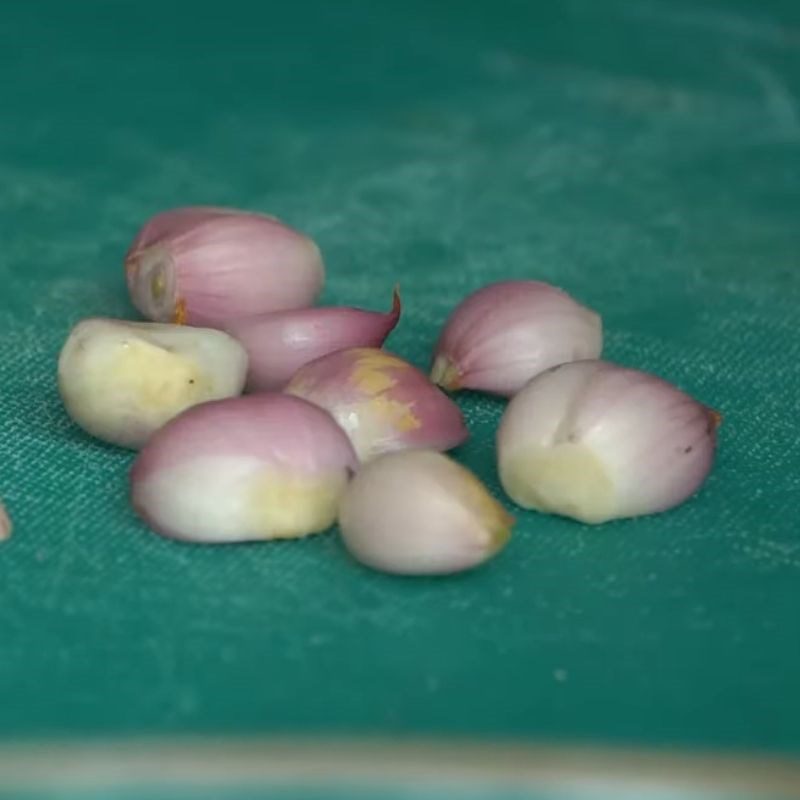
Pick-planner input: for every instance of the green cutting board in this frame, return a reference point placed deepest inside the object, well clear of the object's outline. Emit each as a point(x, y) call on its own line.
point(644, 155)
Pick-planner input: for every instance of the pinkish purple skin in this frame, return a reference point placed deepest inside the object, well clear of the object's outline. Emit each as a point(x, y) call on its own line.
point(280, 343)
point(178, 222)
point(271, 426)
point(689, 428)
point(343, 379)
point(487, 335)
point(277, 428)
point(231, 263)
point(668, 437)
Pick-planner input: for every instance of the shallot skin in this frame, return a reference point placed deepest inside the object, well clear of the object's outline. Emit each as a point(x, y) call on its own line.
point(267, 466)
point(280, 343)
point(505, 333)
point(381, 401)
point(596, 441)
point(205, 266)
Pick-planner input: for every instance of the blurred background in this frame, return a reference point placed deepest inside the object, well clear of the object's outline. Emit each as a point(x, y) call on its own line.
point(644, 155)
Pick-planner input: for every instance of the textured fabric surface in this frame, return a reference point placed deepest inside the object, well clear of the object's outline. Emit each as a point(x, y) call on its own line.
point(643, 154)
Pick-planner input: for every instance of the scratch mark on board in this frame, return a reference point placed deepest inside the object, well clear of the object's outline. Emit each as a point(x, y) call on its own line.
point(718, 21)
point(778, 98)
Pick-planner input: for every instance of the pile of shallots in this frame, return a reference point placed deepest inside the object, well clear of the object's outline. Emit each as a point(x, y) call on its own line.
point(335, 428)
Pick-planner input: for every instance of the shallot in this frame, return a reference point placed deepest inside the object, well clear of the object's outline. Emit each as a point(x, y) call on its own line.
point(504, 334)
point(5, 523)
point(206, 266)
point(381, 401)
point(121, 381)
point(596, 441)
point(266, 466)
point(281, 342)
point(418, 512)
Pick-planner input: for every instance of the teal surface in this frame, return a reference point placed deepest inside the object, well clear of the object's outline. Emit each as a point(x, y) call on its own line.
point(645, 155)
point(145, 791)
point(139, 791)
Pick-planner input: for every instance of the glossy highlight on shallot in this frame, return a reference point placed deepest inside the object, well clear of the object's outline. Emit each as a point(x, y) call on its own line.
point(279, 343)
point(265, 466)
point(121, 381)
point(506, 333)
point(596, 441)
point(206, 266)
point(382, 402)
point(418, 512)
